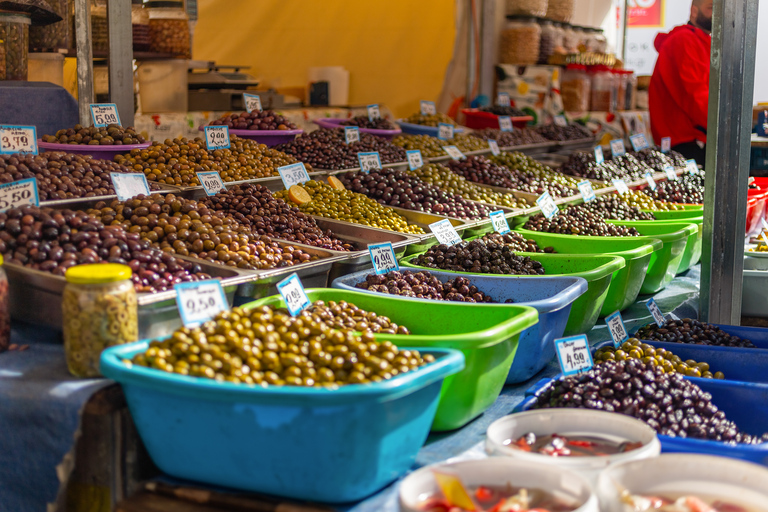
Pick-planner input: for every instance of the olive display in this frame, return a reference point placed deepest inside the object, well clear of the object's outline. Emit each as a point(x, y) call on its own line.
point(378, 123)
point(54, 240)
point(444, 179)
point(577, 220)
point(423, 285)
point(614, 207)
point(256, 120)
point(344, 315)
point(645, 202)
point(658, 161)
point(327, 149)
point(669, 403)
point(521, 163)
point(263, 347)
point(479, 257)
point(189, 228)
point(349, 206)
point(555, 132)
point(432, 147)
point(111, 135)
point(5, 317)
point(254, 205)
point(687, 189)
point(633, 348)
point(583, 165)
point(514, 138)
point(429, 119)
point(500, 110)
point(516, 242)
point(398, 188)
point(692, 331)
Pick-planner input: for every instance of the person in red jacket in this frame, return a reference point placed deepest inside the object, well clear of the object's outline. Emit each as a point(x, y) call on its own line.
point(679, 91)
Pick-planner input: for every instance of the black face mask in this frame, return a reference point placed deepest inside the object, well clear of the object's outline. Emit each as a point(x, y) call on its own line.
point(704, 22)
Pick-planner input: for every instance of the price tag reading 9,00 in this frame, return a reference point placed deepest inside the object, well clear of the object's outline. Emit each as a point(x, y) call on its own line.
point(294, 174)
point(104, 114)
point(293, 294)
point(200, 301)
point(573, 355)
point(383, 258)
point(19, 193)
point(216, 137)
point(18, 139)
point(211, 182)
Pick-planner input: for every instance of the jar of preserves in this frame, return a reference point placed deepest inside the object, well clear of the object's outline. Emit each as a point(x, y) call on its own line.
point(601, 43)
point(526, 7)
point(570, 39)
point(560, 10)
point(630, 89)
point(99, 310)
point(520, 42)
point(603, 90)
point(53, 37)
point(5, 315)
point(620, 86)
point(14, 38)
point(551, 39)
point(575, 88)
point(140, 26)
point(169, 28)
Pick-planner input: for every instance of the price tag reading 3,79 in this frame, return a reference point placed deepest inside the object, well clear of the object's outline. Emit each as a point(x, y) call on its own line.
point(415, 160)
point(252, 102)
point(621, 186)
point(383, 258)
point(454, 152)
point(616, 328)
point(293, 294)
point(617, 148)
point(129, 184)
point(294, 174)
point(494, 147)
point(499, 222)
point(670, 172)
point(373, 112)
point(547, 205)
point(445, 233)
point(369, 161)
point(651, 182)
point(216, 137)
point(587, 192)
point(445, 131)
point(428, 108)
point(505, 123)
point(573, 355)
point(200, 301)
point(211, 182)
point(656, 313)
point(19, 193)
point(104, 114)
point(18, 139)
point(351, 134)
point(599, 156)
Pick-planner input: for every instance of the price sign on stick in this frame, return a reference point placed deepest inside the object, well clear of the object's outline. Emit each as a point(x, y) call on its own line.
point(414, 159)
point(599, 156)
point(499, 222)
point(216, 137)
point(211, 182)
point(666, 144)
point(373, 112)
point(617, 329)
point(454, 152)
point(650, 180)
point(617, 148)
point(369, 161)
point(656, 313)
point(428, 108)
point(547, 205)
point(670, 172)
point(104, 114)
point(293, 294)
point(200, 301)
point(561, 121)
point(252, 102)
point(692, 167)
point(587, 192)
point(445, 233)
point(351, 134)
point(573, 355)
point(383, 258)
point(639, 142)
point(18, 139)
point(129, 184)
point(505, 123)
point(445, 131)
point(294, 174)
point(503, 99)
point(19, 193)
point(494, 147)
point(621, 186)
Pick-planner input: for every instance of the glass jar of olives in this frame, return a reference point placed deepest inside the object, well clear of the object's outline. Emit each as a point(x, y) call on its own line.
point(14, 38)
point(169, 28)
point(99, 310)
point(5, 315)
point(53, 37)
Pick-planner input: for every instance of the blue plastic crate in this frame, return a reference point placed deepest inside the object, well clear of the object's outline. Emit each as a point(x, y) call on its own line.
point(420, 129)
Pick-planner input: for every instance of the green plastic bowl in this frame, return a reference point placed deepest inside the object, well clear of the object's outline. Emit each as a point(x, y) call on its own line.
point(692, 254)
point(597, 269)
point(487, 335)
point(690, 211)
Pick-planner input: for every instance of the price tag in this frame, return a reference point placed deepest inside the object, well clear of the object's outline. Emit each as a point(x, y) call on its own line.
point(294, 174)
point(373, 112)
point(128, 185)
point(252, 102)
point(211, 182)
point(617, 329)
point(621, 187)
point(599, 157)
point(656, 313)
point(293, 294)
point(691, 166)
point(428, 108)
point(369, 161)
point(547, 205)
point(561, 121)
point(639, 142)
point(505, 123)
point(503, 99)
point(587, 193)
point(666, 144)
point(650, 180)
point(216, 137)
point(104, 114)
point(670, 172)
point(454, 152)
point(19, 193)
point(200, 301)
point(494, 147)
point(573, 355)
point(351, 134)
point(445, 233)
point(762, 233)
point(617, 148)
point(414, 159)
point(383, 258)
point(445, 131)
point(18, 139)
point(499, 222)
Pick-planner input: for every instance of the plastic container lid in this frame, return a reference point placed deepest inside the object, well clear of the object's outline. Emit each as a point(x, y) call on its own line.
point(98, 273)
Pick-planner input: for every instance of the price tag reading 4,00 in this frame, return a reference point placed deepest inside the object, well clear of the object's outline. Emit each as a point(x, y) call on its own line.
point(294, 174)
point(573, 355)
point(252, 102)
point(547, 205)
point(211, 182)
point(293, 294)
point(499, 222)
point(216, 137)
point(18, 139)
point(104, 114)
point(616, 328)
point(445, 233)
point(200, 301)
point(587, 192)
point(369, 161)
point(383, 258)
point(19, 193)
point(656, 313)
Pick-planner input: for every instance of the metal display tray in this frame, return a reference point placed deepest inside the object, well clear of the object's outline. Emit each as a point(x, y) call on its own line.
point(267, 182)
point(400, 166)
point(445, 158)
point(531, 149)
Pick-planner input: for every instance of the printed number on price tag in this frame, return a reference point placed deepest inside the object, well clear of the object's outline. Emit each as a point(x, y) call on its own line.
point(200, 301)
point(211, 182)
point(445, 233)
point(617, 148)
point(503, 99)
point(294, 174)
point(369, 161)
point(599, 156)
point(454, 152)
point(19, 193)
point(293, 294)
point(617, 329)
point(547, 205)
point(573, 355)
point(587, 192)
point(639, 142)
point(252, 102)
point(505, 123)
point(494, 147)
point(561, 121)
point(445, 131)
point(621, 186)
point(415, 160)
point(666, 144)
point(499, 222)
point(383, 258)
point(692, 167)
point(216, 137)
point(104, 114)
point(670, 172)
point(373, 112)
point(650, 180)
point(428, 108)
point(351, 134)
point(656, 313)
point(18, 139)
point(128, 185)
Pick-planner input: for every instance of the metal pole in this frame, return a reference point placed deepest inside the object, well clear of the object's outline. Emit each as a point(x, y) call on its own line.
point(732, 78)
point(84, 59)
point(121, 58)
point(471, 62)
point(488, 49)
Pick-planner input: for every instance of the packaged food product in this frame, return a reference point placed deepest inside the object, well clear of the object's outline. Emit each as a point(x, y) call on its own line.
point(14, 39)
point(570, 39)
point(551, 39)
point(169, 28)
point(53, 37)
point(603, 92)
point(520, 42)
point(526, 7)
point(560, 10)
point(575, 88)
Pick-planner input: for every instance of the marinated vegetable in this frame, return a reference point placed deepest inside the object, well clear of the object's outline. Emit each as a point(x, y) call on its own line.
point(375, 124)
point(344, 315)
point(556, 445)
point(683, 503)
point(516, 241)
point(429, 119)
point(432, 147)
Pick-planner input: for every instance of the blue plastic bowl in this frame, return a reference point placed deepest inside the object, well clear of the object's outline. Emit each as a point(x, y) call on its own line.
point(552, 297)
point(420, 129)
point(307, 443)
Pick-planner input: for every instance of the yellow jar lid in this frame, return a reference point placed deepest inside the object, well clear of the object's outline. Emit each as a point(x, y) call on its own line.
point(98, 273)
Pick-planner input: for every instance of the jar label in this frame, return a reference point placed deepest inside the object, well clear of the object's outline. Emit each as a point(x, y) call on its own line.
point(494, 147)
point(639, 142)
point(383, 258)
point(294, 174)
point(505, 123)
point(128, 185)
point(573, 355)
point(428, 108)
point(454, 152)
point(621, 186)
point(216, 137)
point(561, 121)
point(104, 114)
point(547, 205)
point(19, 193)
point(414, 159)
point(617, 329)
point(656, 313)
point(599, 157)
point(373, 112)
point(503, 99)
point(445, 131)
point(252, 102)
point(499, 222)
point(617, 148)
point(18, 139)
point(670, 172)
point(293, 294)
point(445, 233)
point(692, 167)
point(200, 301)
point(351, 134)
point(666, 144)
point(369, 161)
point(650, 180)
point(587, 192)
point(211, 182)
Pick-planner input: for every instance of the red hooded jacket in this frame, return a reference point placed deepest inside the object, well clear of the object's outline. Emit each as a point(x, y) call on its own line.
point(679, 91)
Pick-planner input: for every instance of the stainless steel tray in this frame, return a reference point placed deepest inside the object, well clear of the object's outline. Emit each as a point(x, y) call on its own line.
point(446, 157)
point(268, 182)
point(531, 149)
point(76, 202)
point(400, 166)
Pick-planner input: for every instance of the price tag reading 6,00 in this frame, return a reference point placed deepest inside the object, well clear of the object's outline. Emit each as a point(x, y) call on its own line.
point(573, 355)
point(19, 193)
point(383, 258)
point(216, 137)
point(104, 114)
point(200, 301)
point(211, 182)
point(18, 139)
point(293, 294)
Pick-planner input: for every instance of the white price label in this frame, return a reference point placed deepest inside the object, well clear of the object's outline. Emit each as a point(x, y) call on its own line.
point(692, 167)
point(294, 174)
point(599, 156)
point(252, 102)
point(454, 152)
point(216, 137)
point(428, 108)
point(128, 185)
point(617, 329)
point(19, 193)
point(650, 180)
point(621, 186)
point(670, 172)
point(200, 301)
point(503, 99)
point(505, 123)
point(656, 313)
point(587, 192)
point(18, 139)
point(499, 222)
point(666, 144)
point(638, 141)
point(211, 182)
point(415, 160)
point(369, 161)
point(445, 233)
point(617, 148)
point(293, 294)
point(547, 205)
point(445, 131)
point(762, 233)
point(351, 134)
point(561, 121)
point(383, 258)
point(494, 147)
point(373, 112)
point(573, 355)
point(104, 114)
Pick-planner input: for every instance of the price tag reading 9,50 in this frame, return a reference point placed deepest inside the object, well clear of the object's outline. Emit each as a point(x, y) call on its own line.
point(639, 142)
point(216, 137)
point(505, 123)
point(656, 313)
point(200, 301)
point(494, 147)
point(19, 193)
point(547, 205)
point(351, 134)
point(383, 258)
point(252, 102)
point(293, 294)
point(617, 148)
point(599, 156)
point(294, 174)
point(18, 139)
point(129, 184)
point(651, 182)
point(369, 161)
point(415, 161)
point(499, 222)
point(445, 131)
point(104, 114)
point(692, 167)
point(573, 355)
point(445, 233)
point(373, 112)
point(454, 152)
point(670, 172)
point(666, 144)
point(428, 108)
point(617, 329)
point(211, 182)
point(587, 192)
point(621, 186)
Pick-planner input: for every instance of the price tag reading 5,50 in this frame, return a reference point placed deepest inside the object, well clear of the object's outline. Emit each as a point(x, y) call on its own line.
point(499, 222)
point(587, 192)
point(216, 137)
point(445, 131)
point(547, 205)
point(445, 233)
point(18, 139)
point(616, 328)
point(211, 182)
point(383, 258)
point(573, 355)
point(294, 174)
point(656, 313)
point(293, 294)
point(252, 102)
point(104, 114)
point(19, 193)
point(415, 160)
point(369, 161)
point(200, 301)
